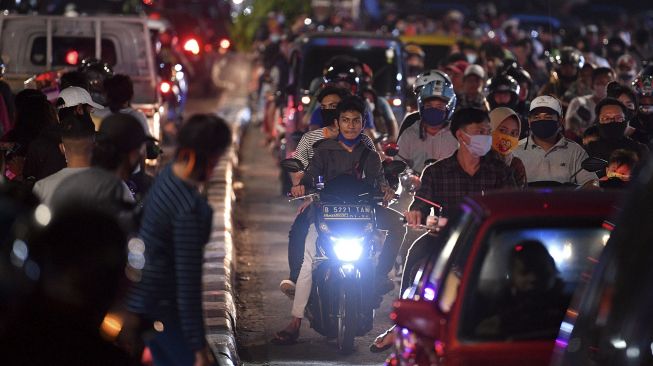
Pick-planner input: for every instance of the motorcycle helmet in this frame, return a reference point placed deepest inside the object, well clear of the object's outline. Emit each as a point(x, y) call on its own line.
point(502, 83)
point(643, 83)
point(435, 84)
point(568, 56)
point(347, 72)
point(414, 50)
point(96, 71)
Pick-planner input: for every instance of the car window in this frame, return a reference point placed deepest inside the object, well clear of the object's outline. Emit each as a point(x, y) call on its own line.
point(68, 51)
point(523, 280)
point(382, 58)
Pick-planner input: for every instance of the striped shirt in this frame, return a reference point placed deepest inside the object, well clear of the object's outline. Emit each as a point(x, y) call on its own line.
point(175, 227)
point(305, 151)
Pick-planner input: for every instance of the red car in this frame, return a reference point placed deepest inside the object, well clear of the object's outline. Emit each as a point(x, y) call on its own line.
point(498, 291)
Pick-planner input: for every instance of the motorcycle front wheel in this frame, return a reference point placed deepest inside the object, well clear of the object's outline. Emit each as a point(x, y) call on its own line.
point(348, 311)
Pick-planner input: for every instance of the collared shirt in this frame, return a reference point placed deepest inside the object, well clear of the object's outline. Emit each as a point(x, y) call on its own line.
point(558, 164)
point(417, 151)
point(446, 183)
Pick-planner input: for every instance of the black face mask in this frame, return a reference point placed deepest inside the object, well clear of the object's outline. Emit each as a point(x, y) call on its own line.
point(612, 131)
point(329, 117)
point(545, 129)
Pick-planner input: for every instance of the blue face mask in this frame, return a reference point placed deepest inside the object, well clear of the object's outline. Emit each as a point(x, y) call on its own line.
point(349, 142)
point(433, 117)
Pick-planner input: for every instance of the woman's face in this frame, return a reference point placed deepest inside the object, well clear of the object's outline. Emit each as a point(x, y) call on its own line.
point(509, 126)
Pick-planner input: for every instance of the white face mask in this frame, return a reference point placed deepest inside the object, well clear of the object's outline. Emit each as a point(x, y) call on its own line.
point(479, 145)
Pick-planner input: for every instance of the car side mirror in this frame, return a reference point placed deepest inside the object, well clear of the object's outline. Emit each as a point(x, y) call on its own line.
point(421, 317)
point(292, 165)
point(594, 164)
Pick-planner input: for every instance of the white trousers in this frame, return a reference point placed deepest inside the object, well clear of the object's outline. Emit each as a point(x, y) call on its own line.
point(305, 278)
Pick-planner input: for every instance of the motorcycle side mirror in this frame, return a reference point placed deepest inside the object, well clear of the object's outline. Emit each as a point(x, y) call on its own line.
point(429, 162)
point(421, 317)
point(391, 150)
point(292, 165)
point(594, 164)
point(410, 182)
point(382, 138)
point(395, 167)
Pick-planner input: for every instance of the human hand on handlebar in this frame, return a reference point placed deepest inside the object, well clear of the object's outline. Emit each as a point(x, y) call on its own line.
point(298, 190)
point(413, 218)
point(388, 195)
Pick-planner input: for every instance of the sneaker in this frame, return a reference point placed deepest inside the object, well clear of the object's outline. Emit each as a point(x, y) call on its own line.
point(288, 288)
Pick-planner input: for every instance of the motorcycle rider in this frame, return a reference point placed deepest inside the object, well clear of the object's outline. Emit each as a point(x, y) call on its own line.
point(580, 113)
point(471, 94)
point(335, 157)
point(643, 121)
point(567, 65)
point(502, 91)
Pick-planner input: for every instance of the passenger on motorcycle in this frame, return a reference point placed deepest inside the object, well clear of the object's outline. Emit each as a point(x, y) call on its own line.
point(344, 155)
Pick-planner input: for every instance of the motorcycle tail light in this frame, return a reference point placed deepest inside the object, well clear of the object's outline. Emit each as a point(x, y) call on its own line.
point(192, 46)
point(165, 87)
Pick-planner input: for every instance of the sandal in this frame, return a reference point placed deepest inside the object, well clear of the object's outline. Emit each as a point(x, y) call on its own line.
point(380, 340)
point(284, 338)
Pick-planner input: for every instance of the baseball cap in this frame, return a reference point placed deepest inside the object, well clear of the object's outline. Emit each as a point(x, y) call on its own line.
point(546, 101)
point(76, 127)
point(122, 131)
point(475, 70)
point(74, 96)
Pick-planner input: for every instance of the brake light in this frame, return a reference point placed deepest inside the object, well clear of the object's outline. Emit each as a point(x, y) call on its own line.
point(225, 43)
point(165, 87)
point(192, 46)
point(72, 57)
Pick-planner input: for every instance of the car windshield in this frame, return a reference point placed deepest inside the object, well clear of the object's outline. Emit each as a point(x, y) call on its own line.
point(381, 55)
point(70, 51)
point(523, 280)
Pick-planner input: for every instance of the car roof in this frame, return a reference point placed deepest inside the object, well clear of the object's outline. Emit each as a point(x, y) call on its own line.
point(545, 202)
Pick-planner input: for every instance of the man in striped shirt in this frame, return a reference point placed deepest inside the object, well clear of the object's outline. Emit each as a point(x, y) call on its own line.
point(175, 227)
point(328, 98)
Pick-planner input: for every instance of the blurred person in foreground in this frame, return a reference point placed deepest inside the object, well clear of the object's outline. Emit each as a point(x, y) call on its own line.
point(175, 227)
point(620, 169)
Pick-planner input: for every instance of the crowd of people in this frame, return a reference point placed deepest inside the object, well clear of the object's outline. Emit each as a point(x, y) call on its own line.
point(101, 259)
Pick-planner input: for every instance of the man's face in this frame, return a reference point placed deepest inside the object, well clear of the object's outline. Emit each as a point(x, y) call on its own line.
point(543, 115)
point(330, 101)
point(599, 84)
point(611, 114)
point(435, 103)
point(472, 84)
point(475, 128)
point(350, 124)
point(502, 97)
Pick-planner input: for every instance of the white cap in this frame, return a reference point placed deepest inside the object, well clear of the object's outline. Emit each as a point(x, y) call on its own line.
point(475, 70)
point(546, 101)
point(74, 96)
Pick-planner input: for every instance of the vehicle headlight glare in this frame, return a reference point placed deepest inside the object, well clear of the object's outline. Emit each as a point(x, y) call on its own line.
point(348, 249)
point(324, 227)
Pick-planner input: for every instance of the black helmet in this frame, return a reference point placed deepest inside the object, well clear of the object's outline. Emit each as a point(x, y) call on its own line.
point(643, 83)
point(349, 72)
point(502, 83)
point(568, 56)
point(512, 68)
point(96, 72)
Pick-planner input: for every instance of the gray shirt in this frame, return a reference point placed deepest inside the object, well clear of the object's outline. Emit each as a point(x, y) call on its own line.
point(557, 164)
point(45, 188)
point(417, 151)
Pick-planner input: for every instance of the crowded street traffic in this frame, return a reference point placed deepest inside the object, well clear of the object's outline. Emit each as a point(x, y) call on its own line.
point(312, 182)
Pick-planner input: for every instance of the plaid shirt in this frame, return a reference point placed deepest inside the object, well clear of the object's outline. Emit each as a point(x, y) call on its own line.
point(446, 183)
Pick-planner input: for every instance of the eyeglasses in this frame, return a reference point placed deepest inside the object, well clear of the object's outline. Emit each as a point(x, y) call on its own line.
point(611, 118)
point(329, 106)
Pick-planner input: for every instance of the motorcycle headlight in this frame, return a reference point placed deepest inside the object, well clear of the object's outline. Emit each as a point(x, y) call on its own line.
point(348, 249)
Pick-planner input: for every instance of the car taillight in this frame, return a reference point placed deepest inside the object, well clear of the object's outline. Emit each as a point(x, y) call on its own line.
point(192, 46)
point(165, 87)
point(225, 43)
point(72, 57)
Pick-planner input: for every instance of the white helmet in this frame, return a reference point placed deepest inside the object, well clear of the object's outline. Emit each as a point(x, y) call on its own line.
point(435, 84)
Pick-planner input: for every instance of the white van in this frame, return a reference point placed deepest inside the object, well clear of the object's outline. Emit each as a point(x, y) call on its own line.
point(33, 44)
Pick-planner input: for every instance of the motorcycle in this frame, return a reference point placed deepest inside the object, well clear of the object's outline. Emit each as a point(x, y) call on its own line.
point(340, 305)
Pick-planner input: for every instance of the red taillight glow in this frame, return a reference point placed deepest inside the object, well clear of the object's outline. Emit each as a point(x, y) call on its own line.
point(192, 46)
point(165, 87)
point(225, 43)
point(72, 57)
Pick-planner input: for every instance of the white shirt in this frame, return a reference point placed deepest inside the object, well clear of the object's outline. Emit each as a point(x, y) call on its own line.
point(45, 188)
point(558, 164)
point(417, 151)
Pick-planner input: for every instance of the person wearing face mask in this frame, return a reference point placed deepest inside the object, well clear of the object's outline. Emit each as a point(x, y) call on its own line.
point(384, 119)
point(547, 155)
point(472, 88)
point(643, 120)
point(580, 114)
point(612, 124)
point(627, 96)
point(429, 136)
point(626, 69)
point(506, 128)
point(471, 169)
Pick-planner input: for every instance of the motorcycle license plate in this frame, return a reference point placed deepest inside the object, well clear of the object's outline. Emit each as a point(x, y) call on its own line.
point(346, 212)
